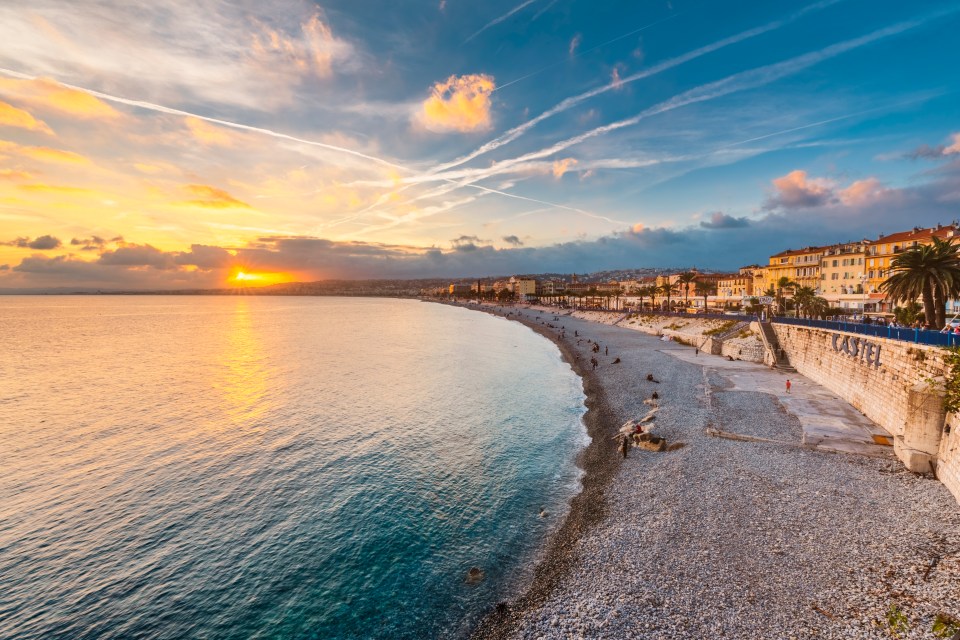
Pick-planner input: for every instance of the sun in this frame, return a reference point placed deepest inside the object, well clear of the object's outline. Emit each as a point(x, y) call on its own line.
point(244, 278)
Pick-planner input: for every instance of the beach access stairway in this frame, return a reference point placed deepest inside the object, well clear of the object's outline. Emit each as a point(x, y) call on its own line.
point(777, 357)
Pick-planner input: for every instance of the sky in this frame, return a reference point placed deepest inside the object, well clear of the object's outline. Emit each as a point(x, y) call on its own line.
point(205, 143)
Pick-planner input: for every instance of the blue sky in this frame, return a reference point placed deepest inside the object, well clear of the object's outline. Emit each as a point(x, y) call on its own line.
point(175, 143)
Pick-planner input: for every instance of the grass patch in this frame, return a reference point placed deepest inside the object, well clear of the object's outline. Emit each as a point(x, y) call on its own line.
point(726, 326)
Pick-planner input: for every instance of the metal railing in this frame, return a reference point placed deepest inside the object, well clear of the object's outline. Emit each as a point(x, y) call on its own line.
point(905, 334)
point(918, 336)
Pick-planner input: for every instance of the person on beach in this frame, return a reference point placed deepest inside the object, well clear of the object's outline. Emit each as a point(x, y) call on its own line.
point(696, 351)
point(606, 351)
point(594, 362)
point(624, 445)
point(788, 386)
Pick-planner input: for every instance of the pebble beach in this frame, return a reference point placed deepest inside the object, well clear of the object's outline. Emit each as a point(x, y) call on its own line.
point(725, 538)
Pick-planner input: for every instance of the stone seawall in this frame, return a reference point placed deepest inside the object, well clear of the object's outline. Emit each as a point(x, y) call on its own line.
point(898, 385)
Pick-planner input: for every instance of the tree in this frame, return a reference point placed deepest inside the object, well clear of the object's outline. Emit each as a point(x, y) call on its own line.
point(817, 307)
point(908, 313)
point(705, 289)
point(666, 289)
point(686, 279)
point(783, 283)
point(802, 297)
point(930, 272)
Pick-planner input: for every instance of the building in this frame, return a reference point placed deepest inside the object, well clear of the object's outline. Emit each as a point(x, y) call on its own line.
point(736, 288)
point(801, 266)
point(885, 248)
point(457, 289)
point(843, 278)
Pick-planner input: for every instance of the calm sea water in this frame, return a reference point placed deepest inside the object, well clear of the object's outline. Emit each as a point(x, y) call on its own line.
point(193, 467)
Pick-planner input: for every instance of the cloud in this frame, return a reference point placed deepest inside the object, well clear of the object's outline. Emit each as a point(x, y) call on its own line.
point(42, 243)
point(615, 81)
point(93, 243)
point(213, 198)
point(43, 154)
point(938, 152)
point(459, 104)
point(10, 116)
point(14, 175)
point(513, 240)
point(796, 191)
point(954, 147)
point(49, 95)
point(560, 167)
point(208, 134)
point(312, 52)
point(574, 44)
point(720, 220)
point(466, 243)
point(863, 192)
point(248, 54)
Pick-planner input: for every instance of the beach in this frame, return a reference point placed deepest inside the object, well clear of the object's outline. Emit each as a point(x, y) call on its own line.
point(756, 537)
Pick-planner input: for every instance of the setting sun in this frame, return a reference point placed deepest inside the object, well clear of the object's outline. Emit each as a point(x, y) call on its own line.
point(246, 278)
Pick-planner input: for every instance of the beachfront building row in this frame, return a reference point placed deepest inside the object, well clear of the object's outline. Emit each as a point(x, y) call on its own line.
point(848, 275)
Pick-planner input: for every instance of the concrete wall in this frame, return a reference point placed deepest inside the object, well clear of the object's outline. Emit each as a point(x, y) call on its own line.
point(948, 461)
point(896, 384)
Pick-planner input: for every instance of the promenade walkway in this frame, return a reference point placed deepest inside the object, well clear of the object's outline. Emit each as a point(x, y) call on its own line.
point(829, 423)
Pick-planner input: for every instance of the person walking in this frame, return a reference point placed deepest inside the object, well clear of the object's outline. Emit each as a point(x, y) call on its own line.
point(624, 445)
point(788, 386)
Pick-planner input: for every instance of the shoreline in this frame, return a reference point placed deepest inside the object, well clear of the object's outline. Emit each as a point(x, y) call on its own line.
point(720, 537)
point(587, 507)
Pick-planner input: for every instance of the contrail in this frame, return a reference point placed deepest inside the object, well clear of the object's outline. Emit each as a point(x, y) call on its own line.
point(742, 81)
point(586, 51)
point(573, 101)
point(496, 21)
point(822, 122)
point(226, 123)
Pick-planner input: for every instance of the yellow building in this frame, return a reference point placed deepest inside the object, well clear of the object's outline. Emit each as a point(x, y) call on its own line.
point(735, 288)
point(843, 276)
point(885, 248)
point(797, 265)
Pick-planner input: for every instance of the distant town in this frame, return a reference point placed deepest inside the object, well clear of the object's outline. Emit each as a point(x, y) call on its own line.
point(847, 277)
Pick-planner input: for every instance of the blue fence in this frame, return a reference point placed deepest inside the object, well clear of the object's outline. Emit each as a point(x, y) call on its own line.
point(918, 336)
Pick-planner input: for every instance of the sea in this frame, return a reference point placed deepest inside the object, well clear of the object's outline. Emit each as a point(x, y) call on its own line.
point(273, 467)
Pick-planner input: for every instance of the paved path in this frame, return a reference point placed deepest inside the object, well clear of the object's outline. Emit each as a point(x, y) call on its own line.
point(829, 422)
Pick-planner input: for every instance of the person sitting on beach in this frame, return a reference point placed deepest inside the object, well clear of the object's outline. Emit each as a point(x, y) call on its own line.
point(617, 361)
point(655, 396)
point(650, 378)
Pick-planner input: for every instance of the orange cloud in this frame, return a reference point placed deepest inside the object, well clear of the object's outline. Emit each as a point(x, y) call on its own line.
point(43, 154)
point(54, 188)
point(208, 134)
point(313, 52)
point(560, 167)
point(45, 93)
point(953, 148)
point(10, 174)
point(862, 191)
point(10, 116)
point(459, 104)
point(213, 198)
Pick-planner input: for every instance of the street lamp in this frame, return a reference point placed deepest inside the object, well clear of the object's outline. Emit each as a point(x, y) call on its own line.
point(863, 286)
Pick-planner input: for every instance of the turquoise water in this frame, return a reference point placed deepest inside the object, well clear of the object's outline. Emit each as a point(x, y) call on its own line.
point(228, 467)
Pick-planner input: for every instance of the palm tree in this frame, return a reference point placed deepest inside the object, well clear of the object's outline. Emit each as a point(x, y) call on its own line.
point(666, 289)
point(802, 297)
point(930, 272)
point(783, 283)
point(705, 289)
point(686, 279)
point(817, 307)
